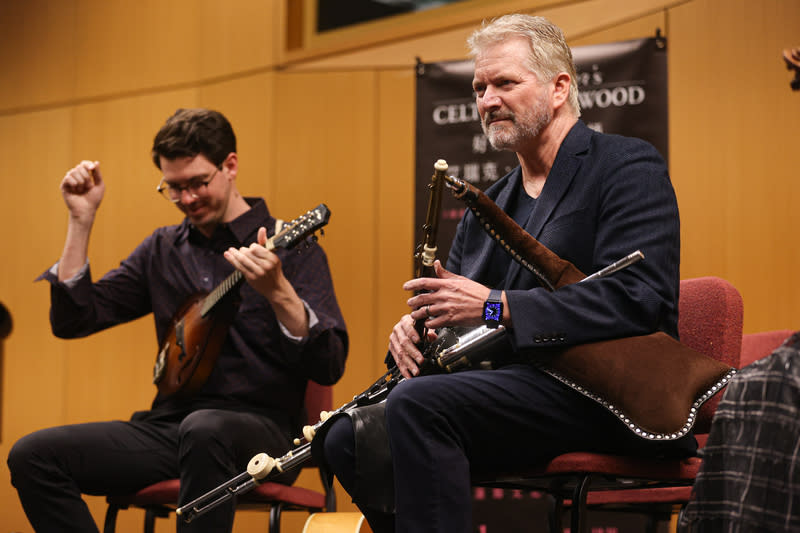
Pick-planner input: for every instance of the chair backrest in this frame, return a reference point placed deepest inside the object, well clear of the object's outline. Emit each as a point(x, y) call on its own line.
point(761, 344)
point(318, 398)
point(710, 313)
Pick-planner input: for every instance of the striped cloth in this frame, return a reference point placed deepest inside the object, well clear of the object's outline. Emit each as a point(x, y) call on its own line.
point(750, 478)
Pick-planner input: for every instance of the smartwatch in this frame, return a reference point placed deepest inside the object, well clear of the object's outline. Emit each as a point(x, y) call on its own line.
point(493, 309)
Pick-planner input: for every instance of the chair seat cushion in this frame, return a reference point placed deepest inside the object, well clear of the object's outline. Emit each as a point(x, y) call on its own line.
point(161, 493)
point(639, 470)
point(625, 467)
point(270, 492)
point(669, 495)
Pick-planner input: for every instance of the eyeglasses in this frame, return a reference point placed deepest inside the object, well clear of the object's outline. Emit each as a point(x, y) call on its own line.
point(196, 186)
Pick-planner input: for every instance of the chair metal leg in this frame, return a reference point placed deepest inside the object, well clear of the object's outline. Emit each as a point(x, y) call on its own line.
point(578, 521)
point(150, 520)
point(275, 518)
point(555, 509)
point(651, 524)
point(111, 519)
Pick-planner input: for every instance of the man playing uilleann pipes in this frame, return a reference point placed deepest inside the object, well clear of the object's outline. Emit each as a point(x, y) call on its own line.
point(589, 197)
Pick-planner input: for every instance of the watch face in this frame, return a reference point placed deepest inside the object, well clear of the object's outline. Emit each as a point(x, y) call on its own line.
point(491, 311)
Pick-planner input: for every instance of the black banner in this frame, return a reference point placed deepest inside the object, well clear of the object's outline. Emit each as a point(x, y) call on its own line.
point(623, 89)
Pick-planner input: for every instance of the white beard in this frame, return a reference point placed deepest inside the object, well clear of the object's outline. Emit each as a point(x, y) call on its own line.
point(522, 127)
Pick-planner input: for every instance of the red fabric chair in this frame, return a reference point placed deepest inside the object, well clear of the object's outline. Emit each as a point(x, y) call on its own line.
point(160, 499)
point(761, 344)
point(710, 321)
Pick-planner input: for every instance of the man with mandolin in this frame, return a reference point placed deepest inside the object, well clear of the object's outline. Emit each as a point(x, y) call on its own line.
point(591, 198)
point(245, 314)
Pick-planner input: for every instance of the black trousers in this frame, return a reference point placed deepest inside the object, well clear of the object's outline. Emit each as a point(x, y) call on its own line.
point(52, 467)
point(443, 427)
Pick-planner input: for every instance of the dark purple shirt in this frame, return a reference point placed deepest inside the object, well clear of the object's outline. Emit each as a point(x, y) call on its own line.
point(259, 368)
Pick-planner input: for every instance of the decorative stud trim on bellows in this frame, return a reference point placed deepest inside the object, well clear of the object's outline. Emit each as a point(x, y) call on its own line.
point(486, 223)
point(645, 434)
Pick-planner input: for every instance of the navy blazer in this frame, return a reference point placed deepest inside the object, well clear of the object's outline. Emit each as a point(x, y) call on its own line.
point(605, 197)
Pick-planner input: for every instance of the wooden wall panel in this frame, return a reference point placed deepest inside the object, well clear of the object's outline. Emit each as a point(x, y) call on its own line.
point(395, 244)
point(136, 45)
point(126, 46)
point(326, 152)
point(89, 49)
point(237, 37)
point(40, 64)
point(33, 147)
point(578, 19)
point(248, 103)
point(644, 26)
point(733, 123)
point(93, 79)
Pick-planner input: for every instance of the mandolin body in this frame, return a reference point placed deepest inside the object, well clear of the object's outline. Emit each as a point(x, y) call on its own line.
point(191, 347)
point(199, 328)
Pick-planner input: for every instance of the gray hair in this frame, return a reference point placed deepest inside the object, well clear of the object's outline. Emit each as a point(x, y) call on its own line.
point(549, 53)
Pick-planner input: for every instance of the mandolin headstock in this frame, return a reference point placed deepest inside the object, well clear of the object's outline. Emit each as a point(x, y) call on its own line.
point(303, 226)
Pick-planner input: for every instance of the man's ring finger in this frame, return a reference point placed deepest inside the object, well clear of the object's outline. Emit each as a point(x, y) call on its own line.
point(428, 310)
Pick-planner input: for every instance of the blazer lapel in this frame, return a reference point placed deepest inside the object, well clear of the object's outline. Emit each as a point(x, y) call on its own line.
point(477, 263)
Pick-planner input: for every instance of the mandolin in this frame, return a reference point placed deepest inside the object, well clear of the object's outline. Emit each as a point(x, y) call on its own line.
point(200, 326)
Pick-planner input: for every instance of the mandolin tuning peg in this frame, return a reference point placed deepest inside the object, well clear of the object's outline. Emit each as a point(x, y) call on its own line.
point(322, 231)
